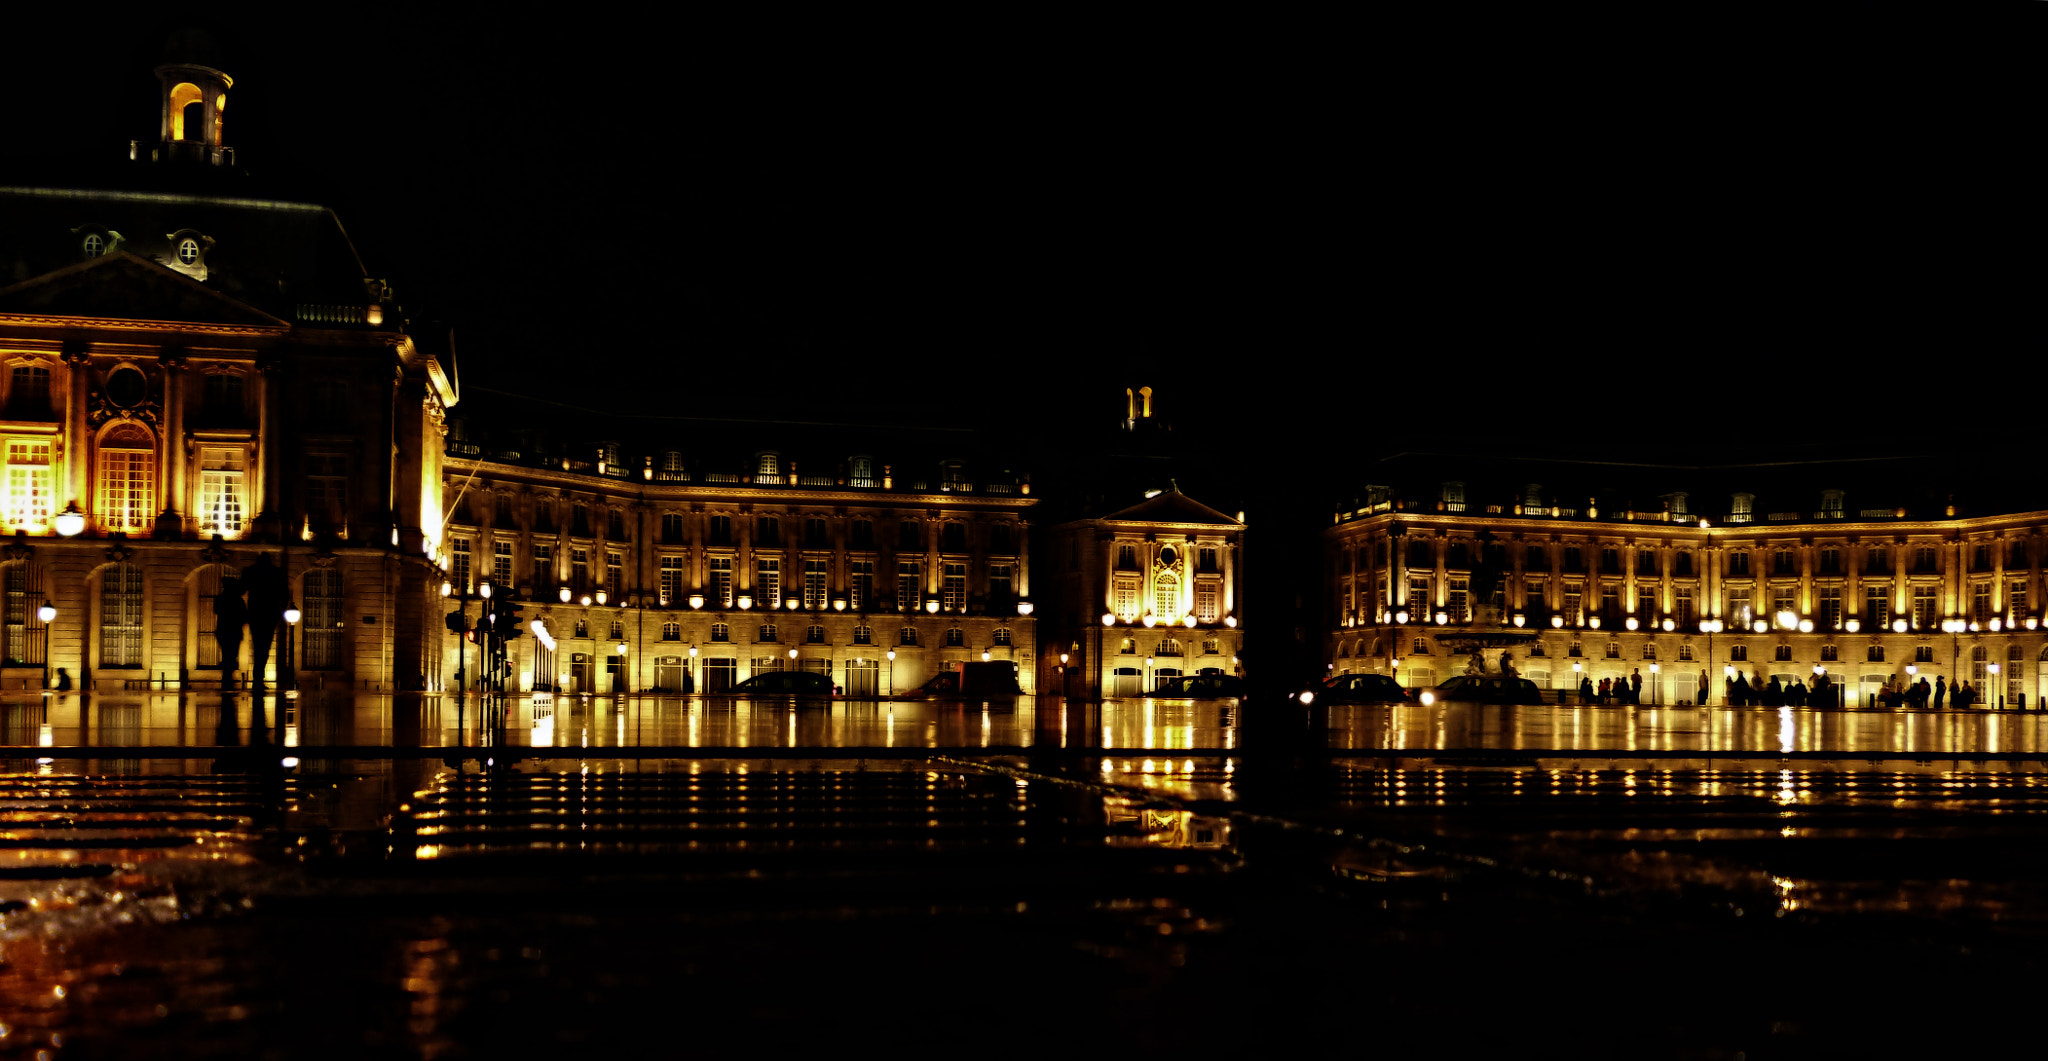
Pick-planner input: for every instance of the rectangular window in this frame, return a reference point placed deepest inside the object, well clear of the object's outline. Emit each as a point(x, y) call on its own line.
point(1784, 599)
point(579, 570)
point(671, 579)
point(1877, 607)
point(29, 483)
point(1206, 562)
point(767, 530)
point(909, 586)
point(767, 583)
point(955, 587)
point(1646, 605)
point(1831, 561)
point(908, 537)
point(614, 574)
point(863, 534)
point(999, 582)
point(1980, 602)
point(1925, 604)
point(1460, 600)
point(1127, 599)
point(1206, 596)
point(2016, 599)
point(1418, 598)
point(501, 562)
point(29, 396)
point(1534, 598)
point(26, 635)
point(127, 489)
point(1127, 557)
point(1830, 607)
point(459, 564)
point(1573, 599)
point(543, 567)
point(719, 529)
point(121, 617)
point(1738, 564)
point(815, 573)
point(816, 534)
point(221, 492)
point(1166, 600)
point(327, 490)
point(720, 577)
point(1739, 606)
point(1682, 606)
point(1610, 604)
point(323, 623)
point(672, 528)
point(860, 584)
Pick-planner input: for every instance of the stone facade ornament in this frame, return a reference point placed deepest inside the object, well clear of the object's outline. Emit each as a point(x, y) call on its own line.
point(215, 553)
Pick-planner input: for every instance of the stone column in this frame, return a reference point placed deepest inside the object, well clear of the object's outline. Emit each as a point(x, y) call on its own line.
point(170, 524)
point(77, 473)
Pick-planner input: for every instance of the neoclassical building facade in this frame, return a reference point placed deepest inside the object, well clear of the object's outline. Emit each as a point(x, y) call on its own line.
point(1808, 573)
point(195, 382)
point(710, 569)
point(1141, 595)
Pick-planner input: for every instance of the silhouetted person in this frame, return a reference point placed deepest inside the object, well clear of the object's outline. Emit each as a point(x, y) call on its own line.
point(229, 616)
point(1586, 689)
point(267, 594)
point(1635, 686)
point(1742, 694)
point(1940, 690)
point(63, 680)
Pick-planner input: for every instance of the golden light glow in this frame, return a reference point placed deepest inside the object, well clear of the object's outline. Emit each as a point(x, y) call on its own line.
point(183, 95)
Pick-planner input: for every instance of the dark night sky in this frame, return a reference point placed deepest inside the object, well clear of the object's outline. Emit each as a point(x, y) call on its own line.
point(1346, 229)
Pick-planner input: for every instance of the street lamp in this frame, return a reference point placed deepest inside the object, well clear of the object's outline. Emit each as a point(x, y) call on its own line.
point(71, 521)
point(46, 613)
point(564, 594)
point(621, 685)
point(892, 673)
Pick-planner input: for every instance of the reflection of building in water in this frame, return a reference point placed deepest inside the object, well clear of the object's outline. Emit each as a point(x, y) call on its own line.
point(1142, 594)
point(1132, 824)
point(195, 374)
point(1875, 570)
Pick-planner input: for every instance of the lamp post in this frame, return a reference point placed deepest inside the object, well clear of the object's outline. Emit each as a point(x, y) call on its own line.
point(288, 674)
point(46, 614)
point(621, 684)
point(891, 691)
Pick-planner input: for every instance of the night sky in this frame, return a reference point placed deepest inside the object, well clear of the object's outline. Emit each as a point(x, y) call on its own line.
point(1369, 232)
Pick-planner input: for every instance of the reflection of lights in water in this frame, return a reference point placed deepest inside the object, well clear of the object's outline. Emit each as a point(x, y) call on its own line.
point(792, 727)
point(1786, 730)
point(45, 738)
point(427, 851)
point(1148, 766)
point(543, 734)
point(984, 727)
point(1108, 767)
point(289, 762)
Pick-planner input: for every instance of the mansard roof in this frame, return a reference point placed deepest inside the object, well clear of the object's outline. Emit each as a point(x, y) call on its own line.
point(271, 255)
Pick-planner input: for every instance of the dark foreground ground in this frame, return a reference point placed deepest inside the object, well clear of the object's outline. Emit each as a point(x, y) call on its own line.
point(616, 908)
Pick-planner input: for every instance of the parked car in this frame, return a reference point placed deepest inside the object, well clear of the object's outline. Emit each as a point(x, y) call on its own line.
point(975, 681)
point(1360, 689)
point(1485, 690)
point(784, 683)
point(1201, 686)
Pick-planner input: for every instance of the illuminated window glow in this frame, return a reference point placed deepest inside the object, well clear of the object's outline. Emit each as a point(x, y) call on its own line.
point(221, 492)
point(127, 484)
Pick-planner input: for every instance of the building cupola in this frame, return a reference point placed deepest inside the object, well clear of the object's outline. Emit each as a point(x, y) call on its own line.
point(195, 94)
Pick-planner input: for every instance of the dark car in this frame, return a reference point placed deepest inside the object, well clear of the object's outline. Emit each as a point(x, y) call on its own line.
point(997, 678)
point(784, 683)
point(1361, 689)
point(1476, 690)
point(1201, 686)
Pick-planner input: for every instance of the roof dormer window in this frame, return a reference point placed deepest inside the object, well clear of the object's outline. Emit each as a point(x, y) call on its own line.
point(188, 250)
point(93, 245)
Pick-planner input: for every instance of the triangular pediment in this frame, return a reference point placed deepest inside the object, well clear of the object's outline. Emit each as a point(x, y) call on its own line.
point(121, 286)
point(1172, 506)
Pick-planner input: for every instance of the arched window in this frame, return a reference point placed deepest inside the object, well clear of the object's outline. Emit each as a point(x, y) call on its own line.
point(768, 633)
point(671, 631)
point(814, 635)
point(1876, 654)
point(953, 538)
point(1168, 647)
point(861, 472)
point(863, 635)
point(1166, 599)
point(955, 637)
point(1129, 647)
point(768, 469)
point(908, 637)
point(323, 637)
point(1001, 636)
point(127, 480)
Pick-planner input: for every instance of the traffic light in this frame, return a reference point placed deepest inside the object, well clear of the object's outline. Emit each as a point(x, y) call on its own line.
point(508, 625)
point(458, 621)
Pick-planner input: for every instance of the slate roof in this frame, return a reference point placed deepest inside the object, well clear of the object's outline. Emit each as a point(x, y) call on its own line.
point(267, 254)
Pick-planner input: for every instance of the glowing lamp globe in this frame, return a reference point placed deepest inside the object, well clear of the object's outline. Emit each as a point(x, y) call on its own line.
point(47, 612)
point(70, 522)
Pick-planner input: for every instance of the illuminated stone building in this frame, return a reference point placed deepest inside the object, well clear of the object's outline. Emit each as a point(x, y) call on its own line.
point(195, 378)
point(878, 557)
point(1867, 568)
point(1142, 594)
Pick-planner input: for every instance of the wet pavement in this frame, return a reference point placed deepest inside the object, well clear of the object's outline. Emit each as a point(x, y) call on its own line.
point(1539, 881)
